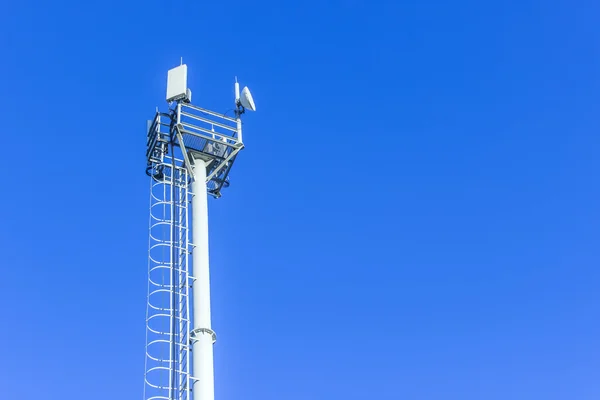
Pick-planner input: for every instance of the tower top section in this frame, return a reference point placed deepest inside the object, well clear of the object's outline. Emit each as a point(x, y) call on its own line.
point(190, 134)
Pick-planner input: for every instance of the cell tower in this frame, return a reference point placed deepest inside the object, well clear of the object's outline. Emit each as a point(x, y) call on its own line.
point(190, 151)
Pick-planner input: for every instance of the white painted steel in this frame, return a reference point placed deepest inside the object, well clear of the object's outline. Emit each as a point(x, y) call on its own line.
point(202, 334)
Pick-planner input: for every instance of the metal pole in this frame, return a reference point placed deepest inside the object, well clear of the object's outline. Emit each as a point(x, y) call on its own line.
point(202, 335)
point(238, 120)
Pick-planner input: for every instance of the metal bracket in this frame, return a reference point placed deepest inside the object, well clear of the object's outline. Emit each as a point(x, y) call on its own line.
point(195, 332)
point(223, 163)
point(188, 165)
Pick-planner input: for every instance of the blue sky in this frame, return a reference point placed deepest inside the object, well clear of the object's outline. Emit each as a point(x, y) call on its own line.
point(415, 215)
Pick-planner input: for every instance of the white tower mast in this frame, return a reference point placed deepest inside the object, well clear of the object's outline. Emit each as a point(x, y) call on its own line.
point(202, 335)
point(190, 151)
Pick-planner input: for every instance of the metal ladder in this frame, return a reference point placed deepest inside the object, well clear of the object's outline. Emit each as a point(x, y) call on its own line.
point(167, 370)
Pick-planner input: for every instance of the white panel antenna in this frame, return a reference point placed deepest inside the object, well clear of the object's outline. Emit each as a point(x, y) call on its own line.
point(177, 83)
